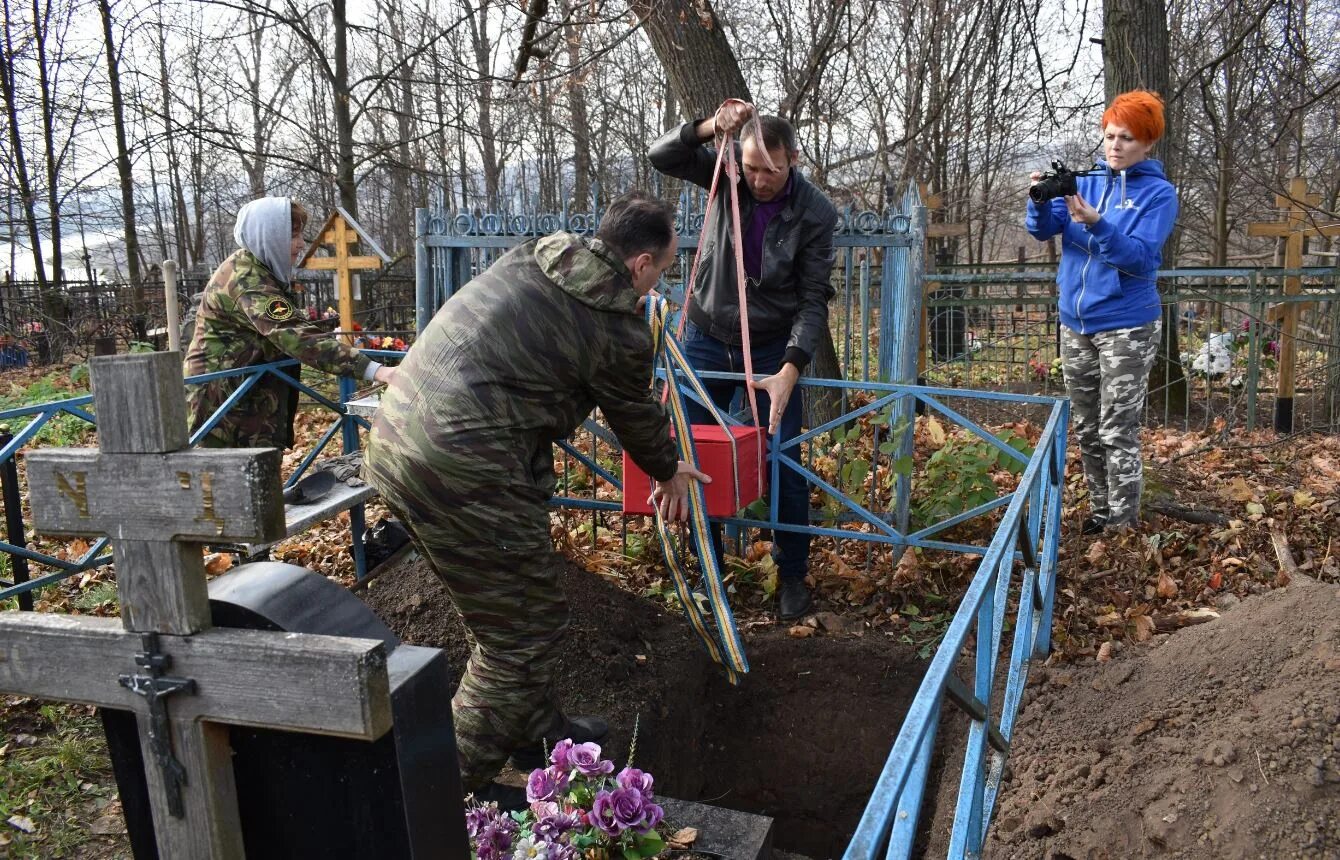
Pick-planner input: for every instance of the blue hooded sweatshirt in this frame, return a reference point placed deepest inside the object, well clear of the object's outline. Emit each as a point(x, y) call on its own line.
point(1106, 277)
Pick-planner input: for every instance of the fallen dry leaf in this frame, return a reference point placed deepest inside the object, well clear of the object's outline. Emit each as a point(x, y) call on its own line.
point(800, 631)
point(1104, 652)
point(1143, 627)
point(936, 431)
point(23, 823)
point(1237, 490)
point(683, 837)
point(217, 562)
point(1166, 588)
point(1097, 551)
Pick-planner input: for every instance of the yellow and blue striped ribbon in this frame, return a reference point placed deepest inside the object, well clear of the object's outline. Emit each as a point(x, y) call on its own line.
point(724, 646)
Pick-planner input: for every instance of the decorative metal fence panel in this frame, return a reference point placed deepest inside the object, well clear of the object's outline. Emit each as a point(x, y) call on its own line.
point(997, 328)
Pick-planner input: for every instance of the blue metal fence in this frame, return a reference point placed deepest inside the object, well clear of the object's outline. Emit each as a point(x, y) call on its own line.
point(39, 416)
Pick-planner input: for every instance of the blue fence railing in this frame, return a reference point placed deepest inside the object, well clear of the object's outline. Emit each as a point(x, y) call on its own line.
point(37, 417)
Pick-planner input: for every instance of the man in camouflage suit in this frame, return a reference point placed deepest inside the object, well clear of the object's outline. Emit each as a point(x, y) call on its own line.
point(249, 316)
point(462, 449)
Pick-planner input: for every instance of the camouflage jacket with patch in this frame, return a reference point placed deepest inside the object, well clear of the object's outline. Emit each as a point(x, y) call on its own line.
point(247, 317)
point(514, 362)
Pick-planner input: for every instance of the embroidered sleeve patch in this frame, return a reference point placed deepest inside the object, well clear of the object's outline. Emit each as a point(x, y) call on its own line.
point(279, 310)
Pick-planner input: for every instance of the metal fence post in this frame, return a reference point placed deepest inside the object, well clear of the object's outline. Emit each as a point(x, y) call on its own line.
point(9, 477)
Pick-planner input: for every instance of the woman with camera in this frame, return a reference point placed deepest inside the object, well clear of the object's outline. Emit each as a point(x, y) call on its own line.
point(1113, 222)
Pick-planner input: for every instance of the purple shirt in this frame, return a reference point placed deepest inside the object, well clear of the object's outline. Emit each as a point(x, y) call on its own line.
point(755, 230)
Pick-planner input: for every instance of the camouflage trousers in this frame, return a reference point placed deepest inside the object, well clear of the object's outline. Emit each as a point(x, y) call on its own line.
point(490, 547)
point(1107, 377)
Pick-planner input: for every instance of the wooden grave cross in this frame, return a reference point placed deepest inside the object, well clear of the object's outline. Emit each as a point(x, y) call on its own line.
point(338, 233)
point(186, 681)
point(1298, 222)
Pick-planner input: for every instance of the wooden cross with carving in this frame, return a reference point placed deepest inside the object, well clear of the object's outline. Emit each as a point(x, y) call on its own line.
point(1299, 221)
point(338, 233)
point(185, 680)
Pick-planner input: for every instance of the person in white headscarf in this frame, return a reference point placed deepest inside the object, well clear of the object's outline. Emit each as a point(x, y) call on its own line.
point(250, 316)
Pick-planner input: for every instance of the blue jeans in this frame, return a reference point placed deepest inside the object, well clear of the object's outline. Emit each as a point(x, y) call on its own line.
point(791, 550)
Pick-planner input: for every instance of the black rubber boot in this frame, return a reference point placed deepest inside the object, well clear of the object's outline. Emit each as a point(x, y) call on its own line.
point(1093, 525)
point(794, 599)
point(580, 730)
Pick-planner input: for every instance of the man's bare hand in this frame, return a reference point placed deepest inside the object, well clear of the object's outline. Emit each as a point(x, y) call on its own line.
point(384, 374)
point(732, 115)
point(778, 387)
point(671, 497)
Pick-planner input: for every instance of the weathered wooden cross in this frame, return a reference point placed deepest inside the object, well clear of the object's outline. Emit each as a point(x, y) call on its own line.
point(1298, 206)
point(338, 233)
point(185, 680)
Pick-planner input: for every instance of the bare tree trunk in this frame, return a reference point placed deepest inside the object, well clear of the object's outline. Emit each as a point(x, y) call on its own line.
point(41, 23)
point(484, 100)
point(123, 169)
point(180, 220)
point(687, 38)
point(581, 127)
point(1135, 56)
point(344, 123)
point(7, 82)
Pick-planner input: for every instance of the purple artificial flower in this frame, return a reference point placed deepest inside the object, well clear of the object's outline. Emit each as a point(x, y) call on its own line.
point(553, 824)
point(494, 839)
point(586, 759)
point(542, 808)
point(622, 809)
point(631, 777)
point(560, 778)
point(561, 754)
point(476, 818)
point(654, 816)
point(602, 810)
point(541, 785)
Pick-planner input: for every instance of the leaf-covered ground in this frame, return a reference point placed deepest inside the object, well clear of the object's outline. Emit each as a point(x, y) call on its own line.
point(1228, 516)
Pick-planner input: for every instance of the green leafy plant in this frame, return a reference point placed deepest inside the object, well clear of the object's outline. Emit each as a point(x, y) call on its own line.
point(958, 476)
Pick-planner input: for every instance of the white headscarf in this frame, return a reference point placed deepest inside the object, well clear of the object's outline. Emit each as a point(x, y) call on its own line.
point(264, 227)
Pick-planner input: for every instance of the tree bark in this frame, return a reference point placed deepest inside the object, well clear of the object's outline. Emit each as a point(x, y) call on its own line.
point(7, 83)
point(581, 127)
point(344, 123)
point(1135, 56)
point(123, 168)
point(695, 53)
point(41, 23)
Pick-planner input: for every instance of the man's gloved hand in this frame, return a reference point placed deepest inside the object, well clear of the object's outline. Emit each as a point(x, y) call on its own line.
point(345, 469)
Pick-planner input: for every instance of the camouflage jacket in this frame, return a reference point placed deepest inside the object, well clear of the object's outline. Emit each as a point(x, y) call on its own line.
point(247, 317)
point(512, 363)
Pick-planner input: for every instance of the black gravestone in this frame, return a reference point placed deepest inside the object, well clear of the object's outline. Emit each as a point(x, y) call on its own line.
point(309, 796)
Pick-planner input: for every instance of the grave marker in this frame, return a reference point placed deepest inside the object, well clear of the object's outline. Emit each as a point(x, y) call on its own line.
point(185, 680)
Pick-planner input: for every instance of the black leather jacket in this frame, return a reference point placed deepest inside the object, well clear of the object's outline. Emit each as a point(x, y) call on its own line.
point(792, 298)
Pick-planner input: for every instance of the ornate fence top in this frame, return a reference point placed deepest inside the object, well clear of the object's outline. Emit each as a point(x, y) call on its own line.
point(899, 221)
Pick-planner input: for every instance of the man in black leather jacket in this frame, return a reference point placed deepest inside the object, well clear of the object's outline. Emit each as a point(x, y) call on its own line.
point(787, 229)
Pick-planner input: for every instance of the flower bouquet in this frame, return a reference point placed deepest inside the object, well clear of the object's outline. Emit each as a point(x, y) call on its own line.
point(579, 810)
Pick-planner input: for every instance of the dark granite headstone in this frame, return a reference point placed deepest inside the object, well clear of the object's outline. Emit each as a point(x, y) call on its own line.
point(732, 834)
point(309, 796)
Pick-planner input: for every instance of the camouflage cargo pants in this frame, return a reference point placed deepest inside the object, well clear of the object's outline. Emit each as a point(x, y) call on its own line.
point(1107, 377)
point(490, 546)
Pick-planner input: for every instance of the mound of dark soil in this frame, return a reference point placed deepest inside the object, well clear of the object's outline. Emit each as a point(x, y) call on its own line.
point(1221, 740)
point(802, 739)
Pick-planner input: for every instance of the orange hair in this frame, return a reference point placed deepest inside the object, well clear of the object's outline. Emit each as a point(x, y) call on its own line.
point(1140, 111)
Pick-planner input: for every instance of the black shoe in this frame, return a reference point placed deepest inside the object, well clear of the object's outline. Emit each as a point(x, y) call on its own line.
point(1093, 525)
point(580, 730)
point(794, 600)
point(510, 798)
